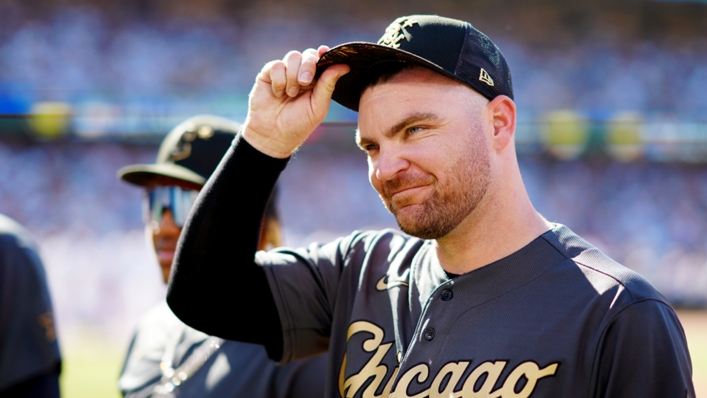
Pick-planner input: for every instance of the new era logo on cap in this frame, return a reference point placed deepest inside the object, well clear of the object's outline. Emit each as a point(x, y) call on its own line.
point(484, 77)
point(448, 46)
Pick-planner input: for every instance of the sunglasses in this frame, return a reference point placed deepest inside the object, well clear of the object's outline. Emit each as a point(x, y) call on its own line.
point(175, 199)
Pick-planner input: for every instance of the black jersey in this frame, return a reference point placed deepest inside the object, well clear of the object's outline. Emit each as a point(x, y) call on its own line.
point(30, 361)
point(555, 319)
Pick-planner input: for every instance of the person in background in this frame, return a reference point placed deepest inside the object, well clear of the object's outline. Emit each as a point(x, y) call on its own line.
point(30, 362)
point(167, 358)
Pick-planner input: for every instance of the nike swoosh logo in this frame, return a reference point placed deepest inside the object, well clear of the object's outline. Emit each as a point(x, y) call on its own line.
point(384, 285)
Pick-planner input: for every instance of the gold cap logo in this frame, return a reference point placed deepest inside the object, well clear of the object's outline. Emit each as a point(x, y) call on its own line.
point(183, 148)
point(205, 132)
point(46, 321)
point(485, 77)
point(394, 33)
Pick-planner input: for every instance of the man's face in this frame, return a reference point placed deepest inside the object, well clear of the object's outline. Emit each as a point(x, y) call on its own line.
point(164, 240)
point(165, 234)
point(428, 154)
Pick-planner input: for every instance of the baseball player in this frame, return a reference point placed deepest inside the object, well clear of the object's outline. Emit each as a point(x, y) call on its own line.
point(167, 358)
point(30, 362)
point(481, 297)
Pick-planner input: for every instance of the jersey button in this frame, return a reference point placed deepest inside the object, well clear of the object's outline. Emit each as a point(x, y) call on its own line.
point(446, 295)
point(429, 334)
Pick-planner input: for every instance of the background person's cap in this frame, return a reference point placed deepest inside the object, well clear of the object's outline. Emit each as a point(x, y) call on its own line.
point(190, 152)
point(451, 47)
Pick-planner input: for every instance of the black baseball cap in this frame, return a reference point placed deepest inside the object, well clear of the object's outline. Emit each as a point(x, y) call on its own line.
point(448, 46)
point(190, 152)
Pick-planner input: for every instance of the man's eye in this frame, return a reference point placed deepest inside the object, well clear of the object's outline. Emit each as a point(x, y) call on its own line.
point(370, 147)
point(413, 130)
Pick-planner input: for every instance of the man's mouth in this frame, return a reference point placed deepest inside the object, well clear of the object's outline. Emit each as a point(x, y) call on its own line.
point(165, 254)
point(407, 190)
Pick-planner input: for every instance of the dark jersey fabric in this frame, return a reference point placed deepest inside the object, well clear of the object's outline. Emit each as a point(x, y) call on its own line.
point(555, 319)
point(29, 352)
point(236, 369)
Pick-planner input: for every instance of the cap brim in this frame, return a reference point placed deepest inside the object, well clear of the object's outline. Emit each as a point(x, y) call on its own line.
point(360, 57)
point(143, 174)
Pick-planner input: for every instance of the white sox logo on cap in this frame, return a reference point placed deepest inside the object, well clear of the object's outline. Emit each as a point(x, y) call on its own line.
point(394, 32)
point(183, 149)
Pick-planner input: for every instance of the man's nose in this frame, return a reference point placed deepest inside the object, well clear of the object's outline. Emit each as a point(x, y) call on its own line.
point(167, 226)
point(390, 161)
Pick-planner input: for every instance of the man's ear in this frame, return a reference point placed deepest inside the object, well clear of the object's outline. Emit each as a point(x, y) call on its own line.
point(502, 111)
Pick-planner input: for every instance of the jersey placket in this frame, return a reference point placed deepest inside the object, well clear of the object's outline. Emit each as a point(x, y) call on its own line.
point(428, 331)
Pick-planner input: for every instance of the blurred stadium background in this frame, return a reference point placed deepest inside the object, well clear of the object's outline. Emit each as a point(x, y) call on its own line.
point(612, 99)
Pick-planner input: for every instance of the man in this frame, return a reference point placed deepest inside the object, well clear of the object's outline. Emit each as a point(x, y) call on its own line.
point(166, 357)
point(30, 362)
point(485, 299)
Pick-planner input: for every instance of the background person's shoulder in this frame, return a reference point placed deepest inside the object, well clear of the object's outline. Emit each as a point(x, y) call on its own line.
point(13, 229)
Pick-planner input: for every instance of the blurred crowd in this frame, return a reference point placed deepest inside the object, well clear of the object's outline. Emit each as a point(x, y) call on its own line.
point(80, 55)
point(651, 216)
point(77, 56)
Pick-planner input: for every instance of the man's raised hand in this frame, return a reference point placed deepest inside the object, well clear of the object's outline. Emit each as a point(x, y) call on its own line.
point(286, 104)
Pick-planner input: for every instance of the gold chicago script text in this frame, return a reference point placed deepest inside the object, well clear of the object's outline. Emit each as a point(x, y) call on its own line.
point(444, 383)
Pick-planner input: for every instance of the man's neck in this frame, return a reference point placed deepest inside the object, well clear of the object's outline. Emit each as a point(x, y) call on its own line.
point(489, 234)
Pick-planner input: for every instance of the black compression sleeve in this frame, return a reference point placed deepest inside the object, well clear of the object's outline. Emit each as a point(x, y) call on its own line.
point(215, 285)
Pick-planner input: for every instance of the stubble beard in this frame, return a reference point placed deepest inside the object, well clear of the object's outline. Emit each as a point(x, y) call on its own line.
point(449, 204)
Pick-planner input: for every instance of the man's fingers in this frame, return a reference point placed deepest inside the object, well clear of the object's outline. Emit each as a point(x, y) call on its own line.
point(278, 123)
point(308, 66)
point(292, 60)
point(294, 73)
point(321, 50)
point(277, 77)
point(264, 74)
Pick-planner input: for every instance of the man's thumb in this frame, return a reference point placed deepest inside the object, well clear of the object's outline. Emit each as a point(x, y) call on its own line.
point(324, 88)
